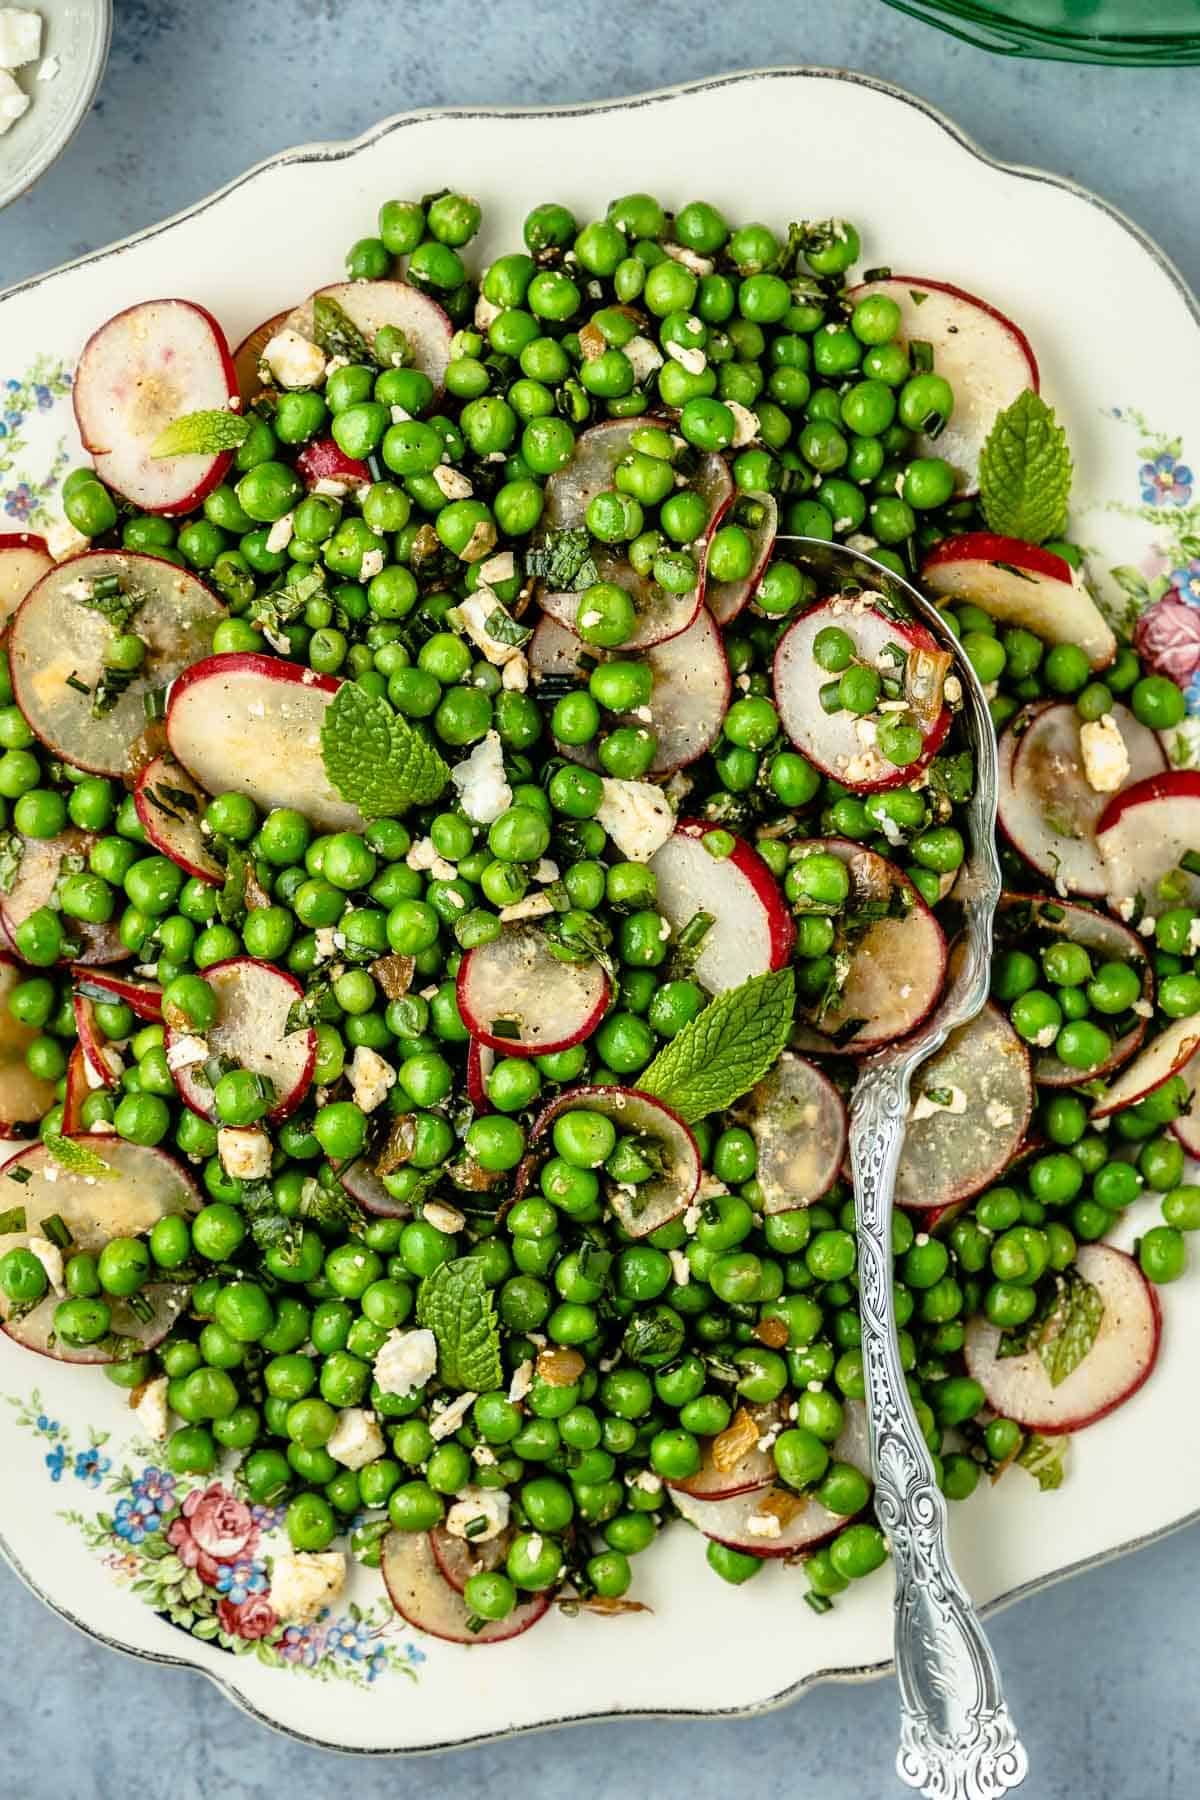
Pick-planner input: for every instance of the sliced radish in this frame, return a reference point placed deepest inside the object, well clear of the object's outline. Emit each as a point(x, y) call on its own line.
point(75, 1091)
point(104, 1062)
point(170, 806)
point(323, 461)
point(985, 357)
point(660, 615)
point(421, 1594)
point(43, 860)
point(253, 1002)
point(1123, 1353)
point(370, 305)
point(480, 1062)
point(554, 651)
point(248, 355)
point(838, 743)
point(35, 1331)
point(252, 724)
point(732, 1462)
point(459, 1558)
point(520, 999)
point(1022, 916)
point(56, 637)
point(666, 1194)
point(725, 599)
point(752, 929)
point(24, 1097)
point(972, 1102)
point(145, 368)
point(897, 965)
point(141, 997)
point(1047, 807)
point(364, 1185)
point(798, 1122)
point(24, 559)
point(1017, 584)
point(1166, 1055)
point(1144, 833)
point(687, 706)
point(571, 489)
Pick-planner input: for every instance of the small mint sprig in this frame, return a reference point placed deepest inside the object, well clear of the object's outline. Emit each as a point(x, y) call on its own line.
point(375, 759)
point(455, 1303)
point(1025, 472)
point(202, 434)
point(725, 1049)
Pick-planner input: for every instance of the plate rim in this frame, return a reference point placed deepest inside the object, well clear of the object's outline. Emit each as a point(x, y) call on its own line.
point(339, 150)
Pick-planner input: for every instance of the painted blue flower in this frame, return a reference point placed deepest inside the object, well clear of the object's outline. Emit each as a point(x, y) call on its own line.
point(1191, 695)
point(377, 1662)
point(302, 1644)
point(56, 1461)
point(241, 1579)
point(1186, 581)
point(14, 420)
point(44, 397)
point(351, 1638)
point(50, 1426)
point(20, 503)
point(1165, 480)
point(133, 1522)
point(13, 386)
point(154, 1490)
point(414, 1654)
point(90, 1466)
point(268, 1518)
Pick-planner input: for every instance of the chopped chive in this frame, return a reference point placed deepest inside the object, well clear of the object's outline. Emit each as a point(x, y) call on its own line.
point(55, 1229)
point(13, 1219)
point(19, 1175)
point(922, 355)
point(79, 687)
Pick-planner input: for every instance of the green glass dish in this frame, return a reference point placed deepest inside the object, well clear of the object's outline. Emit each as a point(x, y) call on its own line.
point(1137, 33)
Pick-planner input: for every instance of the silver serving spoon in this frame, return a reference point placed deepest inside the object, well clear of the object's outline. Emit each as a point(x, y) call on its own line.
point(957, 1739)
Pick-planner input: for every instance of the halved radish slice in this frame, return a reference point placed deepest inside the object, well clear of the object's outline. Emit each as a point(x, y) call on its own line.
point(1166, 1055)
point(141, 997)
point(248, 355)
point(687, 705)
point(571, 489)
point(76, 1090)
point(24, 559)
point(169, 808)
point(104, 1062)
point(801, 1522)
point(839, 743)
point(896, 965)
point(43, 860)
point(972, 1102)
point(752, 929)
point(732, 1462)
point(364, 1185)
point(641, 1209)
point(1123, 1353)
point(1144, 833)
point(798, 1122)
point(57, 637)
point(145, 368)
point(252, 724)
point(985, 357)
point(458, 1558)
point(725, 599)
point(370, 305)
point(323, 461)
point(480, 1062)
point(1047, 807)
point(1018, 584)
point(520, 999)
point(24, 1096)
point(659, 615)
point(167, 1300)
point(1028, 919)
point(421, 1594)
point(253, 1002)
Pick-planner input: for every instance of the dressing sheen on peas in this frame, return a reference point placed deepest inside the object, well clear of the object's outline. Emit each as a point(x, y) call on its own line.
point(650, 803)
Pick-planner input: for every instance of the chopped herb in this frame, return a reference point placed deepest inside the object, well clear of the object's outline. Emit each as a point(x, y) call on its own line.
point(78, 687)
point(319, 1006)
point(20, 1175)
point(13, 1219)
point(335, 332)
point(78, 1158)
point(154, 704)
point(582, 939)
point(475, 1527)
point(502, 628)
point(820, 1603)
point(939, 1096)
point(140, 1307)
point(916, 295)
point(953, 777)
point(12, 849)
point(877, 275)
point(231, 901)
point(285, 603)
point(55, 1228)
point(922, 355)
point(563, 561)
point(506, 1028)
point(1190, 861)
point(1045, 1459)
point(108, 690)
point(105, 596)
point(1012, 569)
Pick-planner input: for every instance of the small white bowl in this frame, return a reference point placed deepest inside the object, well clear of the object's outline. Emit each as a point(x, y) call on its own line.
point(76, 34)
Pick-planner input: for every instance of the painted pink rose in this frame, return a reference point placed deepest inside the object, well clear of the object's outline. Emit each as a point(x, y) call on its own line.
point(214, 1527)
point(1167, 638)
point(254, 1618)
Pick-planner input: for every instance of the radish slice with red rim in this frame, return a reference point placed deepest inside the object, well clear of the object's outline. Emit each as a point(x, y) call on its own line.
point(985, 357)
point(1187, 1126)
point(370, 305)
point(1025, 920)
point(896, 965)
point(1121, 1356)
point(57, 638)
point(659, 1132)
point(480, 1062)
point(142, 370)
point(141, 997)
point(35, 1331)
point(556, 652)
point(169, 807)
point(251, 1030)
point(1048, 808)
point(364, 1185)
point(688, 702)
point(520, 999)
point(104, 1062)
point(323, 461)
point(252, 724)
point(1166, 1055)
point(971, 1105)
point(24, 1096)
point(1144, 833)
point(75, 1092)
point(1018, 584)
point(248, 356)
point(459, 1558)
point(840, 744)
point(798, 1122)
point(752, 929)
point(421, 1595)
point(24, 559)
point(43, 860)
point(758, 516)
point(571, 489)
point(732, 1462)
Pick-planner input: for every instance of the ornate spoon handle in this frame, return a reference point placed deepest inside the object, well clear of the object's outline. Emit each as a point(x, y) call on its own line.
point(957, 1741)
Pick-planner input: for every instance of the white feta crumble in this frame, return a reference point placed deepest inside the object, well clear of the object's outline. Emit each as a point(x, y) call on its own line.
point(50, 1257)
point(304, 1582)
point(20, 37)
point(323, 943)
point(533, 906)
point(745, 424)
point(515, 674)
point(522, 1381)
point(356, 1439)
point(423, 857)
point(443, 1217)
point(183, 1051)
point(952, 690)
point(699, 265)
point(1193, 937)
point(536, 1546)
point(498, 568)
point(474, 612)
point(1046, 1036)
point(925, 1106)
point(644, 356)
point(483, 1456)
point(371, 565)
point(472, 1504)
point(763, 1525)
point(331, 489)
point(244, 1151)
point(681, 1268)
point(1105, 756)
point(447, 1421)
point(1147, 927)
point(281, 532)
point(485, 313)
point(400, 414)
point(150, 1408)
point(546, 869)
point(482, 784)
point(293, 360)
point(13, 102)
point(405, 1361)
point(648, 1481)
point(1143, 1009)
point(62, 539)
point(453, 483)
point(692, 1218)
point(689, 357)
point(370, 1077)
point(637, 817)
point(998, 1115)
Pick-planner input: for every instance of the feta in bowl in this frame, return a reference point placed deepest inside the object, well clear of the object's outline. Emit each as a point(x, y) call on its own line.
point(52, 55)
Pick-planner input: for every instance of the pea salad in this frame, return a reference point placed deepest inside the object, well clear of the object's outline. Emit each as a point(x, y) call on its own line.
point(454, 849)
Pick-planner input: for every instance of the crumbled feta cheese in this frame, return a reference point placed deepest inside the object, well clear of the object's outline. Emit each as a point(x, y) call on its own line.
point(20, 37)
point(400, 414)
point(485, 313)
point(648, 1481)
point(535, 1546)
point(498, 568)
point(474, 612)
point(323, 943)
point(998, 1115)
point(370, 1077)
point(1105, 757)
point(925, 1106)
point(637, 817)
point(473, 1504)
point(453, 483)
point(371, 565)
point(952, 690)
point(50, 1257)
point(245, 1152)
point(443, 1217)
point(688, 357)
point(304, 1582)
point(281, 533)
point(331, 489)
point(546, 869)
point(483, 1456)
point(681, 1268)
point(644, 356)
point(745, 424)
point(1143, 1009)
point(864, 731)
point(13, 102)
point(515, 675)
point(692, 1218)
point(533, 906)
point(763, 1525)
point(150, 1408)
point(182, 1052)
point(1046, 1036)
point(422, 856)
point(699, 265)
point(868, 765)
point(293, 360)
point(356, 1439)
point(447, 1420)
point(62, 539)
point(1147, 927)
point(405, 1361)
point(521, 1382)
point(481, 782)
point(1193, 937)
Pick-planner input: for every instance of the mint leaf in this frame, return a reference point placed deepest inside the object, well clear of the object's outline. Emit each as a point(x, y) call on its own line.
point(202, 434)
point(1045, 1459)
point(375, 759)
point(725, 1049)
point(1070, 1331)
point(12, 849)
point(335, 332)
point(1025, 471)
point(563, 560)
point(455, 1303)
point(70, 1154)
